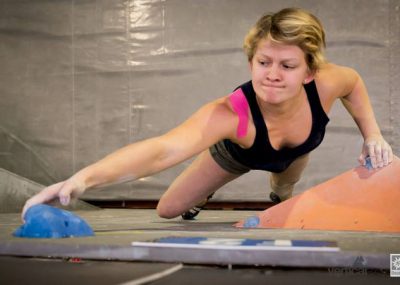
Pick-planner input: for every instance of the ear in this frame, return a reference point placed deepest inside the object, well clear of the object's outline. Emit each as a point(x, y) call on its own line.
point(309, 77)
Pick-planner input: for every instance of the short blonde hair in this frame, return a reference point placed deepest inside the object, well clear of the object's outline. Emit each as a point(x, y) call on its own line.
point(293, 26)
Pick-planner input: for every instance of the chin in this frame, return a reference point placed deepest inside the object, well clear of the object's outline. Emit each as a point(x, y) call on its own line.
point(271, 98)
point(274, 101)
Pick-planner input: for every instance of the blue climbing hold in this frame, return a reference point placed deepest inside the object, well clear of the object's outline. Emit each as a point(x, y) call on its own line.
point(43, 221)
point(251, 222)
point(368, 163)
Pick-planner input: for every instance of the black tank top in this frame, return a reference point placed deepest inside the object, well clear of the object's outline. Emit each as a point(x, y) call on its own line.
point(261, 155)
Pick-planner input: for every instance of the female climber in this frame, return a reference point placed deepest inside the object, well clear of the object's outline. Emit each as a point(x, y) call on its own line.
point(271, 123)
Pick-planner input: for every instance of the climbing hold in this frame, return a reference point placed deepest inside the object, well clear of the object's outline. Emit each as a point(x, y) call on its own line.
point(43, 221)
point(251, 222)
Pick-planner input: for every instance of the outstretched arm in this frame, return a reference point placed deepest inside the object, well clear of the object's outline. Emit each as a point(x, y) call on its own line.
point(357, 103)
point(208, 125)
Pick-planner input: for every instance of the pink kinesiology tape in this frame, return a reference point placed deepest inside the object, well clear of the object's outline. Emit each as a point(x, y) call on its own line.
point(241, 107)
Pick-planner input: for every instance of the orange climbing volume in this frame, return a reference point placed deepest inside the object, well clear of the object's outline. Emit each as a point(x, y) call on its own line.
point(356, 200)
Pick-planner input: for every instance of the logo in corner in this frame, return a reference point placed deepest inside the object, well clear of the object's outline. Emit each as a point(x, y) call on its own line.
point(395, 265)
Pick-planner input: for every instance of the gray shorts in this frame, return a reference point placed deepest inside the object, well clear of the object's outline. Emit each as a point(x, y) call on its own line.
point(225, 159)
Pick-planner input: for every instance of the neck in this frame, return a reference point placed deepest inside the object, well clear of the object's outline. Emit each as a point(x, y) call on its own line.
point(284, 110)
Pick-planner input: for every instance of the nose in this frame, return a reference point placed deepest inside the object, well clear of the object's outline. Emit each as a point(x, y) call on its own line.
point(273, 73)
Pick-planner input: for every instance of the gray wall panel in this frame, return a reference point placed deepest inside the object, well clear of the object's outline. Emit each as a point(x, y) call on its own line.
point(80, 79)
point(394, 68)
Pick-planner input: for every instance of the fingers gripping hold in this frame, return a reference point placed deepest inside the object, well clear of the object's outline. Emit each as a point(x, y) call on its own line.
point(64, 190)
point(379, 152)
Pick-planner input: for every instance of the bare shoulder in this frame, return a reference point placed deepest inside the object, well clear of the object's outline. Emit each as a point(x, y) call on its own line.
point(220, 108)
point(214, 120)
point(335, 81)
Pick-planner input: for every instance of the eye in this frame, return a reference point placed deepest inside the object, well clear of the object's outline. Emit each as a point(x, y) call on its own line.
point(263, 62)
point(287, 66)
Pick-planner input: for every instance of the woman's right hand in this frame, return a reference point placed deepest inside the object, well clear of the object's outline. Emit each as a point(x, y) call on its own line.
point(64, 190)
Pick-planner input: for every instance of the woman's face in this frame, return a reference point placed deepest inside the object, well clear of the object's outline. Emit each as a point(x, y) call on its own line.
point(278, 71)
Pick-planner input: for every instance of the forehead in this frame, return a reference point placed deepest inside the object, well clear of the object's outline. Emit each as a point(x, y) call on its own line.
point(268, 48)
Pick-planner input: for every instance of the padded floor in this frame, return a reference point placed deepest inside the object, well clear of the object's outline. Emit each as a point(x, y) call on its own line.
point(87, 272)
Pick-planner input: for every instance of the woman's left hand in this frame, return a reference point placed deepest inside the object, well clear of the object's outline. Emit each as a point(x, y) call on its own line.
point(378, 150)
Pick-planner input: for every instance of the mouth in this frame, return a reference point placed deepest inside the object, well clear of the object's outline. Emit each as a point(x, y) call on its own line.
point(272, 86)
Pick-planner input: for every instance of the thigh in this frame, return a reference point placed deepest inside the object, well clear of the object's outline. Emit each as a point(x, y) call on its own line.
point(202, 178)
point(293, 173)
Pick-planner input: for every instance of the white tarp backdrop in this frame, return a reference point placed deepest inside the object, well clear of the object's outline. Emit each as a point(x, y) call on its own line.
point(79, 79)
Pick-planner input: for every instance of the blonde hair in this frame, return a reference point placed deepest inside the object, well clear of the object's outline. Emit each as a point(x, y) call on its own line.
point(291, 26)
